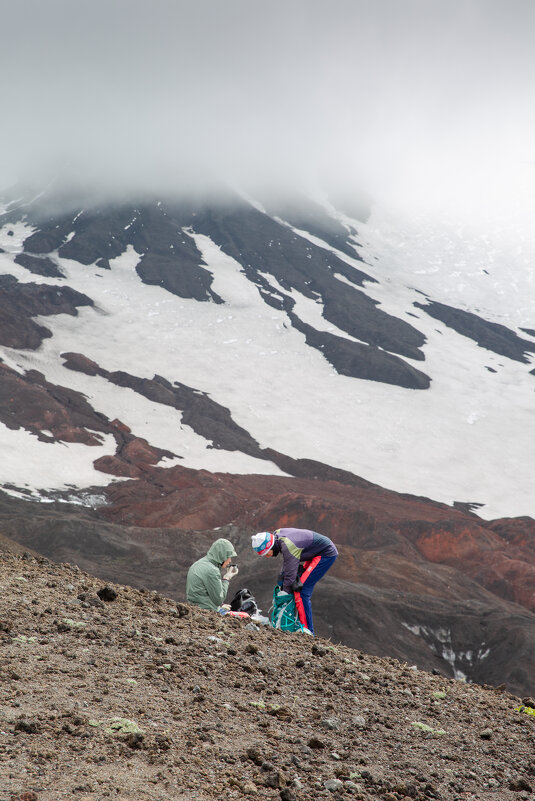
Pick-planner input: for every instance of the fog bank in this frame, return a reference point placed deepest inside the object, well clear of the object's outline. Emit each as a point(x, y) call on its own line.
point(424, 104)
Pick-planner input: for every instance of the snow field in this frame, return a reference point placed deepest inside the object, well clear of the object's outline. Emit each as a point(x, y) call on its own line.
point(465, 439)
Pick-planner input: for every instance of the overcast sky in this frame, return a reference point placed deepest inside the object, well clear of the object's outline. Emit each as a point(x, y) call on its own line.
point(410, 99)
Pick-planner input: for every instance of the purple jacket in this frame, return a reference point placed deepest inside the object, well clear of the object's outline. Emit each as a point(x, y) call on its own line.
point(298, 545)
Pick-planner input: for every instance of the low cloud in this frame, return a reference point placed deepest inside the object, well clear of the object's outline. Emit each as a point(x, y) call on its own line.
point(421, 103)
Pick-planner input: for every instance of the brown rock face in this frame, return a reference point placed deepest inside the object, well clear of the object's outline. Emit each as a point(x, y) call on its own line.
point(484, 552)
point(56, 413)
point(20, 302)
point(131, 459)
point(29, 401)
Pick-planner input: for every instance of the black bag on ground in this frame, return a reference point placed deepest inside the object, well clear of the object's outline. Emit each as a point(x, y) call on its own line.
point(244, 601)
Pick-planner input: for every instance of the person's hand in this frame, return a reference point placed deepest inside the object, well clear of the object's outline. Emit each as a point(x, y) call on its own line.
point(230, 572)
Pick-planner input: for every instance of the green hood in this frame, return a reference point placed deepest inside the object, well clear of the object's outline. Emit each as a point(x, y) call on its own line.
point(219, 551)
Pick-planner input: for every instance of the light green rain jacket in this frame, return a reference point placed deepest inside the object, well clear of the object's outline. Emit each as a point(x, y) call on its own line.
point(204, 585)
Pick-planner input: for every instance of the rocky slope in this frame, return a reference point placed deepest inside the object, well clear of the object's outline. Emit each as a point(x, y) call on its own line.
point(113, 692)
point(390, 593)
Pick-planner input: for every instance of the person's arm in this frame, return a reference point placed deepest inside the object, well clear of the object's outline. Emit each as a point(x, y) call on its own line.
point(290, 566)
point(216, 587)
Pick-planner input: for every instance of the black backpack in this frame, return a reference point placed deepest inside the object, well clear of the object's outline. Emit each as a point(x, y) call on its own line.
point(244, 601)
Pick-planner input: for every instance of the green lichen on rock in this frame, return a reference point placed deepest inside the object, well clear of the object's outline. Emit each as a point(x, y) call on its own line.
point(427, 729)
point(123, 726)
point(74, 624)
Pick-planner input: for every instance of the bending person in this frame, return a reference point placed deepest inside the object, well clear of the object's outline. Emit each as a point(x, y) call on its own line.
point(205, 586)
point(297, 545)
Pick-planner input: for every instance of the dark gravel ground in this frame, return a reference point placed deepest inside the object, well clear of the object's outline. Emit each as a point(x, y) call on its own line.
point(134, 696)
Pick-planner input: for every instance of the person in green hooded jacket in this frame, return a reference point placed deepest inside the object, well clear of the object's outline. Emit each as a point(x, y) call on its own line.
point(205, 585)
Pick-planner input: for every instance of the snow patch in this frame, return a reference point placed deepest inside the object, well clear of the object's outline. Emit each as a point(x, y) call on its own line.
point(12, 236)
point(50, 465)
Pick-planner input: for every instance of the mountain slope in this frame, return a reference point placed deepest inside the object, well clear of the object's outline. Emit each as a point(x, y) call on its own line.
point(111, 691)
point(171, 369)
